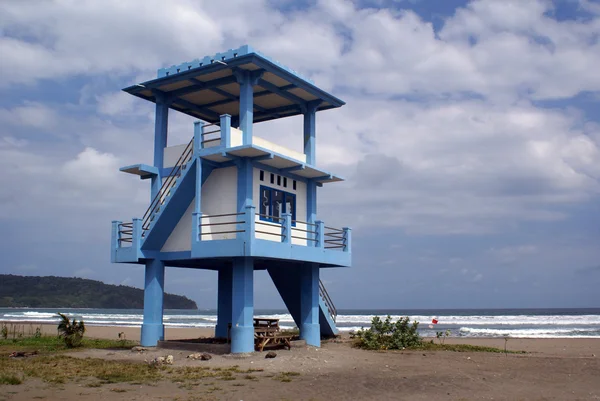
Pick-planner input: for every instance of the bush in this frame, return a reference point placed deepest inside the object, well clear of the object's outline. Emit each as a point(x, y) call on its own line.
point(71, 332)
point(385, 334)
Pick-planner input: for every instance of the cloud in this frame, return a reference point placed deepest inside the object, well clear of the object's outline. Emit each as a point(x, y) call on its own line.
point(444, 134)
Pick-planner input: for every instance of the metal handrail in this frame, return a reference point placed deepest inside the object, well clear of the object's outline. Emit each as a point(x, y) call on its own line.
point(304, 222)
point(306, 231)
point(266, 232)
point(334, 229)
point(224, 232)
point(221, 215)
point(328, 302)
point(304, 238)
point(168, 184)
point(127, 230)
point(269, 216)
point(222, 224)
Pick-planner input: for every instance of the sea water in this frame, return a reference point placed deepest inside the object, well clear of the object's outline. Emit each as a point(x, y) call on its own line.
point(526, 323)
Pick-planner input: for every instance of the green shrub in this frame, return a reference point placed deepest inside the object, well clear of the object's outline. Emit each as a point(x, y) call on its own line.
point(71, 332)
point(385, 334)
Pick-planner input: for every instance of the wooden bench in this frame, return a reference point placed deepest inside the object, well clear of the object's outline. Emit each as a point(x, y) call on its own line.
point(276, 339)
point(267, 331)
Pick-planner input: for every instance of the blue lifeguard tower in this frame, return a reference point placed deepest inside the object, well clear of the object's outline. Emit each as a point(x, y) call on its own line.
point(233, 202)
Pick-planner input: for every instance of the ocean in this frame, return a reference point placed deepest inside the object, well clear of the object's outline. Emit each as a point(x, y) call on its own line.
point(525, 323)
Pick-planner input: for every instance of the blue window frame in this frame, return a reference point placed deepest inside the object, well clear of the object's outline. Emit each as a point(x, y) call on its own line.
point(274, 203)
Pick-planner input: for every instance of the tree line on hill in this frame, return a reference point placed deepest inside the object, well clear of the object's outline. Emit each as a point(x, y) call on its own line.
point(66, 292)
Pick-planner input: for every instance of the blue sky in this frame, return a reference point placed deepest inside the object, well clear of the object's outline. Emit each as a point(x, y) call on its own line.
point(470, 140)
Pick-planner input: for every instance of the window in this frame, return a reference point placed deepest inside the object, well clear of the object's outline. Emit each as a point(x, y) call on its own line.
point(272, 178)
point(279, 180)
point(294, 186)
point(265, 203)
point(274, 203)
point(284, 182)
point(262, 175)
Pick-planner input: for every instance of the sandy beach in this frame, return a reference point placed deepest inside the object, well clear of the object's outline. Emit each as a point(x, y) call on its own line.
point(552, 369)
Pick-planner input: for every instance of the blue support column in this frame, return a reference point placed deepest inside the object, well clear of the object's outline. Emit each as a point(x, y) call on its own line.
point(310, 116)
point(224, 298)
point(225, 130)
point(115, 242)
point(198, 190)
point(244, 184)
point(246, 109)
point(161, 124)
point(242, 306)
point(311, 205)
point(153, 329)
point(198, 136)
point(247, 80)
point(286, 228)
point(310, 330)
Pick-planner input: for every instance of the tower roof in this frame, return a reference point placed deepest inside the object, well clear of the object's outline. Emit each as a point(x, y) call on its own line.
point(206, 88)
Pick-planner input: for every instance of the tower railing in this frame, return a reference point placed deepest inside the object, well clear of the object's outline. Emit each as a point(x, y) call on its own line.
point(334, 238)
point(125, 233)
point(209, 138)
point(166, 187)
point(233, 221)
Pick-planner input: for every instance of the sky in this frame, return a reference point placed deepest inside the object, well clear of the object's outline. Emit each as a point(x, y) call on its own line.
point(470, 141)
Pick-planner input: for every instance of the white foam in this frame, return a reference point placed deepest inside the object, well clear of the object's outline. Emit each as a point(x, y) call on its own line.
point(558, 320)
point(530, 333)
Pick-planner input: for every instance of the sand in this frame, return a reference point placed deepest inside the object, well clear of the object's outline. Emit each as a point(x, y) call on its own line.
point(553, 369)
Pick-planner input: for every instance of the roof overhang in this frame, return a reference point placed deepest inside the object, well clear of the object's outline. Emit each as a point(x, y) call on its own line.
point(284, 164)
point(208, 88)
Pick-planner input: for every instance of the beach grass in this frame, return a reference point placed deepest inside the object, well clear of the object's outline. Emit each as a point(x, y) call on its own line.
point(49, 344)
point(431, 346)
point(61, 368)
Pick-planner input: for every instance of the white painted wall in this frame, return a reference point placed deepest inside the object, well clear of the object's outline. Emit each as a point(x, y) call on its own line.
point(181, 237)
point(300, 193)
point(263, 143)
point(236, 138)
point(172, 153)
point(219, 196)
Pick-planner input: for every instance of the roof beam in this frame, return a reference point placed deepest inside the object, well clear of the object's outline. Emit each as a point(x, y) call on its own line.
point(278, 110)
point(199, 85)
point(269, 156)
point(283, 93)
point(293, 168)
point(233, 97)
point(191, 106)
point(229, 100)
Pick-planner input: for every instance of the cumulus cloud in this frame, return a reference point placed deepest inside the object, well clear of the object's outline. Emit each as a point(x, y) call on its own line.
point(444, 131)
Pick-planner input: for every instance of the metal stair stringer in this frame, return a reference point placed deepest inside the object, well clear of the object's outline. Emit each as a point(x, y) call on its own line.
point(290, 294)
point(171, 208)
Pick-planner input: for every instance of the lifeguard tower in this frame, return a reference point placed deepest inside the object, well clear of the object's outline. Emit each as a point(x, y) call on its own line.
point(232, 202)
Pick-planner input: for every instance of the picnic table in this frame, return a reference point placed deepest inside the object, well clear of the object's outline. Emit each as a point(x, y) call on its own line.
point(267, 331)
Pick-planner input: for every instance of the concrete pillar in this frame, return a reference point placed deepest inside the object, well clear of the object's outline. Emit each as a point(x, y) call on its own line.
point(153, 329)
point(161, 124)
point(309, 135)
point(224, 298)
point(242, 306)
point(310, 329)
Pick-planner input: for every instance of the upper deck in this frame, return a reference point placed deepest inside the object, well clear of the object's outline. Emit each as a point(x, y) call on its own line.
point(208, 88)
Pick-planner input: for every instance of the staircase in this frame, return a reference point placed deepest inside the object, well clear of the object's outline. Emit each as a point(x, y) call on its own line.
point(285, 280)
point(327, 300)
point(167, 188)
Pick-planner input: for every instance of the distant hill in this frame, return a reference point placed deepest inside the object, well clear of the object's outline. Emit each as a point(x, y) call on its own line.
point(64, 292)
